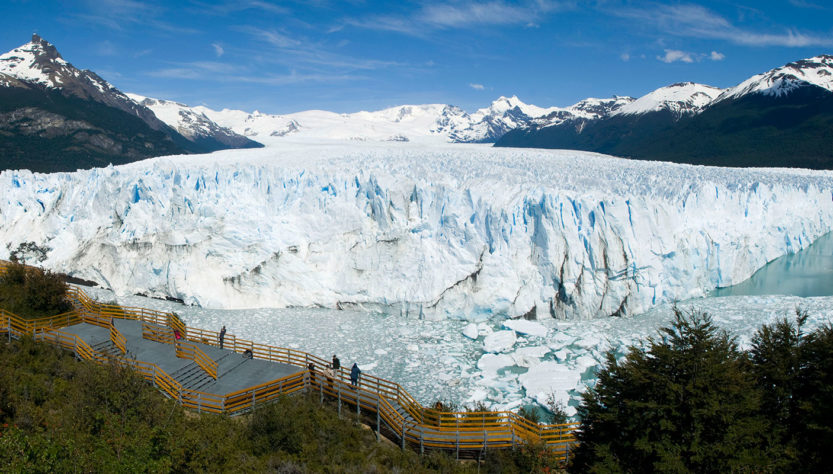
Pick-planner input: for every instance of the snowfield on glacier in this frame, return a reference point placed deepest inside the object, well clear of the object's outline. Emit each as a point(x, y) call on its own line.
point(460, 231)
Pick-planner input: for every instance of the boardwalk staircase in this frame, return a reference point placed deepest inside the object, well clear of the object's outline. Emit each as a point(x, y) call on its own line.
point(192, 377)
point(397, 414)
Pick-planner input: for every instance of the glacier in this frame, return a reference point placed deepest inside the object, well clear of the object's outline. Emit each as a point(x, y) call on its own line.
point(431, 231)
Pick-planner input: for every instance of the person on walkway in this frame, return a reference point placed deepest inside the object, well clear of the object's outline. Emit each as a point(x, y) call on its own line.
point(336, 364)
point(354, 375)
point(328, 372)
point(311, 368)
point(222, 336)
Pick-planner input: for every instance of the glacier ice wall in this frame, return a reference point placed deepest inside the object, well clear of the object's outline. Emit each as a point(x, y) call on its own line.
point(454, 230)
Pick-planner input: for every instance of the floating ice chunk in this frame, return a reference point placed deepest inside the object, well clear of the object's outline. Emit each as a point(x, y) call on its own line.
point(484, 329)
point(380, 352)
point(368, 366)
point(499, 341)
point(548, 377)
point(589, 341)
point(529, 356)
point(491, 363)
point(561, 355)
point(510, 406)
point(478, 395)
point(584, 362)
point(413, 348)
point(561, 397)
point(470, 331)
point(522, 326)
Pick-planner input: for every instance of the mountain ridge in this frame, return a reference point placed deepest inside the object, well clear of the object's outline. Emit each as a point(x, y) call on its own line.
point(780, 118)
point(56, 117)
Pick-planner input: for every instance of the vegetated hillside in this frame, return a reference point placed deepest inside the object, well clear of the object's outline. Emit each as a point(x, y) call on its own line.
point(45, 131)
point(60, 415)
point(753, 130)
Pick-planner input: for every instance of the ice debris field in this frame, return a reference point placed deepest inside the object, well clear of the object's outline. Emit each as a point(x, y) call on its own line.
point(444, 231)
point(502, 363)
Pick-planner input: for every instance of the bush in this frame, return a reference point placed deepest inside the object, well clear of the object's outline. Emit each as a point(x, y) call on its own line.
point(59, 415)
point(687, 402)
point(795, 375)
point(32, 292)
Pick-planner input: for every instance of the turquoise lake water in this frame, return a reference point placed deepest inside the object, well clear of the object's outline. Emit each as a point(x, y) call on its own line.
point(806, 273)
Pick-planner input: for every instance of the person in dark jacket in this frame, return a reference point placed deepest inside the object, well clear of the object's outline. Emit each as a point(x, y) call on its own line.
point(311, 368)
point(354, 375)
point(222, 336)
point(336, 364)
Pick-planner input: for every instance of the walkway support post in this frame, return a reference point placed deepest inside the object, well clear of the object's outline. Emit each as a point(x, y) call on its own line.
point(403, 432)
point(378, 424)
point(457, 431)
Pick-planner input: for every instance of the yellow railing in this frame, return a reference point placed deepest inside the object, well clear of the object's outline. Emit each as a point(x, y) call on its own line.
point(426, 427)
point(192, 352)
point(118, 339)
point(156, 333)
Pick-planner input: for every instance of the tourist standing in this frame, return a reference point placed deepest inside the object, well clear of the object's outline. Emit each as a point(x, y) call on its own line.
point(354, 375)
point(222, 336)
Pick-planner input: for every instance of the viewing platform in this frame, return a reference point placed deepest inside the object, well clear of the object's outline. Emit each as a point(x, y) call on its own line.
point(187, 364)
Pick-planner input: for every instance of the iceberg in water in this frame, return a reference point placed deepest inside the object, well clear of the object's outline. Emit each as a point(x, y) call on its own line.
point(461, 231)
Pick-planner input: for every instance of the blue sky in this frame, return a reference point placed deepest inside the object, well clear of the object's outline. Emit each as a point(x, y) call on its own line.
point(287, 56)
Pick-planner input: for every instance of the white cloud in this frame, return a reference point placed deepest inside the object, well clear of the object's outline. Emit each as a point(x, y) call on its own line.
point(715, 56)
point(674, 55)
point(696, 21)
point(464, 14)
point(477, 87)
point(625, 57)
point(218, 49)
point(106, 48)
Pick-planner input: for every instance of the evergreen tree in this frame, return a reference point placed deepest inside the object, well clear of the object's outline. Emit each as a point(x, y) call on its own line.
point(776, 361)
point(686, 403)
point(813, 424)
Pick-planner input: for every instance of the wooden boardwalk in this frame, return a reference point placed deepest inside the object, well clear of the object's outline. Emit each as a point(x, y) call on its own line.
point(200, 375)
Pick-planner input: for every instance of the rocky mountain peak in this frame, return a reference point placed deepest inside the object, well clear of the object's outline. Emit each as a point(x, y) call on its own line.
point(43, 50)
point(816, 71)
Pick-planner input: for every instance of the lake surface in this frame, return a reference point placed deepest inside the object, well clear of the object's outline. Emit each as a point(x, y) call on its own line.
point(806, 274)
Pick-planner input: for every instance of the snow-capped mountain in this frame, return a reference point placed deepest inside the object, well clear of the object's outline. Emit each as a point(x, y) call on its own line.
point(816, 71)
point(779, 118)
point(194, 125)
point(586, 110)
point(684, 98)
point(430, 122)
point(39, 63)
point(58, 117)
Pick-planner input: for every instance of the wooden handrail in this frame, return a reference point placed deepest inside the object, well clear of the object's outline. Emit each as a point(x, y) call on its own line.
point(189, 351)
point(118, 339)
point(432, 428)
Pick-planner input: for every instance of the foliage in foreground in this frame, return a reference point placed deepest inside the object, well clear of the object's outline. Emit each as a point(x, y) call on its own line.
point(691, 401)
point(60, 415)
point(31, 292)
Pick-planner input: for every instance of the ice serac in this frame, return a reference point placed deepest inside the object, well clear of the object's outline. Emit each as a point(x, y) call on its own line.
point(432, 231)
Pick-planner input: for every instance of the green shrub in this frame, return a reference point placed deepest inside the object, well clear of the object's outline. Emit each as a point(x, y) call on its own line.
point(32, 292)
point(686, 403)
